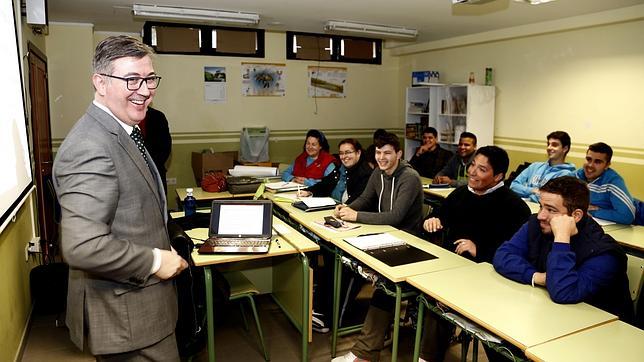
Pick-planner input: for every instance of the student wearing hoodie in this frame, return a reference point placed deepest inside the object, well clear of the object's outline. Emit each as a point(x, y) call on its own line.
point(393, 196)
point(527, 184)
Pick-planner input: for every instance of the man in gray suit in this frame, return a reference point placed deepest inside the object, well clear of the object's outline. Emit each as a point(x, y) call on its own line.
point(121, 300)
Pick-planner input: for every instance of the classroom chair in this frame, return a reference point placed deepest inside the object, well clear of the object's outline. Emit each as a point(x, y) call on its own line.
point(241, 287)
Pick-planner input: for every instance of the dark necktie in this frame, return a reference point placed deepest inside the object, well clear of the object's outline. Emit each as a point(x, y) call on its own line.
point(138, 139)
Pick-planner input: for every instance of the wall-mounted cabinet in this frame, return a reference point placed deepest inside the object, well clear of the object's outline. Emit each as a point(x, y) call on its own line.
point(452, 110)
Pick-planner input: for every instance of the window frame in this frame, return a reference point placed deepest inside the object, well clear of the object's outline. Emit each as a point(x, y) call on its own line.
point(335, 56)
point(206, 39)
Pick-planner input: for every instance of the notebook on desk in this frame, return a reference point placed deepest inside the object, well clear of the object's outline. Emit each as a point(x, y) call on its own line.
point(239, 226)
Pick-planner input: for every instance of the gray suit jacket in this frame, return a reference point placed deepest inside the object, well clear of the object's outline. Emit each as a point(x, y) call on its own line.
point(113, 214)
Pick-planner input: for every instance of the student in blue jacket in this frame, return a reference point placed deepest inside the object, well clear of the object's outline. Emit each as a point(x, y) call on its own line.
point(609, 197)
point(527, 184)
point(564, 250)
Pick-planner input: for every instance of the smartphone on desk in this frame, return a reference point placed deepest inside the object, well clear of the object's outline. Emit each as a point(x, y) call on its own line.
point(330, 220)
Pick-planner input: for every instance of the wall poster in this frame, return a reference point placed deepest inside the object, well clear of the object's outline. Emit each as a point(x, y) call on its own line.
point(263, 79)
point(327, 82)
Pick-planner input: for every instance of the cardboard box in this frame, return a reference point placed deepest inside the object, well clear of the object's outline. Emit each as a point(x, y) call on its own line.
point(218, 161)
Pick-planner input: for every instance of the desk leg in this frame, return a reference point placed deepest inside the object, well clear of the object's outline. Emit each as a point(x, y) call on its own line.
point(210, 315)
point(306, 316)
point(394, 345)
point(337, 281)
point(419, 327)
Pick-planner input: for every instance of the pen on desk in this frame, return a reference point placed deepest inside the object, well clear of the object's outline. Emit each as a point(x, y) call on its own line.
point(370, 234)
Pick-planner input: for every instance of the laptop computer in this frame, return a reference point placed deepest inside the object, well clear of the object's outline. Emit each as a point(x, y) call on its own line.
point(239, 226)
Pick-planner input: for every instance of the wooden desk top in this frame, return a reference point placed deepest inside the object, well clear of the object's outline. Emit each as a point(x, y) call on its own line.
point(445, 259)
point(288, 242)
point(631, 236)
point(518, 313)
point(202, 195)
point(614, 341)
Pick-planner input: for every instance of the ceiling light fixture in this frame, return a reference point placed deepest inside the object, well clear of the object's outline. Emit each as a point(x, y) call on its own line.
point(533, 2)
point(385, 31)
point(190, 14)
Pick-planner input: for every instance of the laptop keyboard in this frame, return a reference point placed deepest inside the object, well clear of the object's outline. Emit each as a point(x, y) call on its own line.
point(238, 242)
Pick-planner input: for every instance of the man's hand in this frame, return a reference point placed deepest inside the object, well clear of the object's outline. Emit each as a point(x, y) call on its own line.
point(442, 180)
point(346, 213)
point(463, 245)
point(539, 279)
point(171, 264)
point(433, 224)
point(299, 179)
point(304, 193)
point(563, 227)
point(422, 149)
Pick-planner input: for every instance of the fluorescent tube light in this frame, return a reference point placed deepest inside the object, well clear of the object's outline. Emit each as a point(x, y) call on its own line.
point(190, 14)
point(383, 30)
point(533, 2)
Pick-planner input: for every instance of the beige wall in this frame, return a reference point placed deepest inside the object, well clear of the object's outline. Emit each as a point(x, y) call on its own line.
point(195, 125)
point(586, 81)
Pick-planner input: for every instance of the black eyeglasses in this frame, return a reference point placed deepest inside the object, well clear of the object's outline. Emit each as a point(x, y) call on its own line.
point(135, 83)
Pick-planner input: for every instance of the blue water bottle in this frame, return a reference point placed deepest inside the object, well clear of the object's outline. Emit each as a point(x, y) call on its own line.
point(189, 203)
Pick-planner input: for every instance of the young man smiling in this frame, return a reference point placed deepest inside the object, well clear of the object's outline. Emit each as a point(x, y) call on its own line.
point(564, 250)
point(393, 196)
point(609, 197)
point(430, 157)
point(475, 220)
point(537, 174)
point(455, 171)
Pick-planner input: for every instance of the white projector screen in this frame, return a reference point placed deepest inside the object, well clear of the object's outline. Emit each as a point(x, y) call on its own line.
point(15, 164)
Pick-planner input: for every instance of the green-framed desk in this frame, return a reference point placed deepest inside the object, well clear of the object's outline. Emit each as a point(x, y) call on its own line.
point(629, 236)
point(396, 274)
point(285, 280)
point(518, 313)
point(614, 341)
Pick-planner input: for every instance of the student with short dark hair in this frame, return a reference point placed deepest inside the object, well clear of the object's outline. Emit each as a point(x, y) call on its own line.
point(455, 171)
point(393, 196)
point(474, 219)
point(564, 250)
point(609, 197)
point(430, 157)
point(527, 183)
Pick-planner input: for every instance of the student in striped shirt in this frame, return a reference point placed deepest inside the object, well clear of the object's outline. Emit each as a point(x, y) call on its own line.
point(609, 197)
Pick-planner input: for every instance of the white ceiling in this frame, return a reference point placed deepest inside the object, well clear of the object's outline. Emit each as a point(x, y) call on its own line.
point(435, 19)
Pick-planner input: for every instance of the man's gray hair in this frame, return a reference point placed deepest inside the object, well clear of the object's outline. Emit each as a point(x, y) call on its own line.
point(116, 47)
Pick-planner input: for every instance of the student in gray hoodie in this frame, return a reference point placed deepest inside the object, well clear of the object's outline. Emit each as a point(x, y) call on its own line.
point(393, 196)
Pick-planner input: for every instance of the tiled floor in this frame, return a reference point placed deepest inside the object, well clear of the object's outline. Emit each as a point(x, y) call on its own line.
point(46, 342)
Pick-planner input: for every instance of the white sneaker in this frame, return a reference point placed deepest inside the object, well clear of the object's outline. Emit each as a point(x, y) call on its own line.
point(318, 325)
point(349, 357)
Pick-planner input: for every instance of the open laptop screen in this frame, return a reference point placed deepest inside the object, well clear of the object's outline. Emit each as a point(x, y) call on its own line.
point(242, 218)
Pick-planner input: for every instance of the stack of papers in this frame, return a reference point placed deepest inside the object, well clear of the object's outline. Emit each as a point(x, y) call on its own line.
point(374, 241)
point(283, 186)
point(254, 171)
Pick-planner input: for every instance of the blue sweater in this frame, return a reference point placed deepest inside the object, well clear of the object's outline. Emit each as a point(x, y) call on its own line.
point(536, 175)
point(591, 268)
point(609, 193)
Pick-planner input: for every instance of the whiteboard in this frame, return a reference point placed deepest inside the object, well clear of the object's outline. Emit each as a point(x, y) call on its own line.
point(15, 164)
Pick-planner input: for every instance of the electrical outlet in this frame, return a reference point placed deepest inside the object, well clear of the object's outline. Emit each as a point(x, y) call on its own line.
point(171, 180)
point(34, 245)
